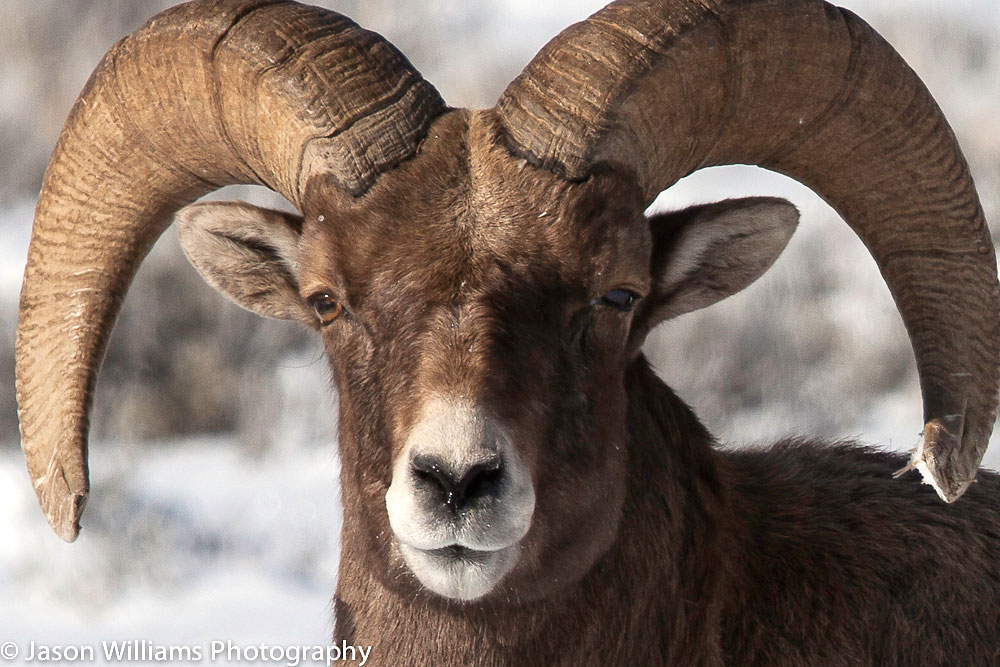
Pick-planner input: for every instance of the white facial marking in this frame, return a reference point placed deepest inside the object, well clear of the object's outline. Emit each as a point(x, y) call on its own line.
point(459, 553)
point(458, 574)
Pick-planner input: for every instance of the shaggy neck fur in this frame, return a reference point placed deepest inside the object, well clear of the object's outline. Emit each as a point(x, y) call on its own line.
point(671, 536)
point(799, 554)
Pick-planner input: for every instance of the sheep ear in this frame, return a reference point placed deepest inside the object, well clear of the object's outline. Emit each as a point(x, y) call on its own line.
point(250, 254)
point(705, 253)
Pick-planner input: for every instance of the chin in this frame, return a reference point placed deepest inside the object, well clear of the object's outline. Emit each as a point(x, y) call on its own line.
point(457, 572)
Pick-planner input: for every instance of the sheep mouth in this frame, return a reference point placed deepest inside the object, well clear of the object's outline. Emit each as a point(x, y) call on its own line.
point(458, 553)
point(458, 572)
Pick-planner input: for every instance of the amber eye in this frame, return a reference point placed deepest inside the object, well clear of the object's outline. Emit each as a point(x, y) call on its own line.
point(327, 310)
point(622, 299)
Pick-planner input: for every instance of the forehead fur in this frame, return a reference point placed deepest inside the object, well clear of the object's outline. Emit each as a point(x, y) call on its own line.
point(445, 219)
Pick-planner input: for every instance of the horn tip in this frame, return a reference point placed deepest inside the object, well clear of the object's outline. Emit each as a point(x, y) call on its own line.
point(63, 508)
point(936, 458)
point(65, 521)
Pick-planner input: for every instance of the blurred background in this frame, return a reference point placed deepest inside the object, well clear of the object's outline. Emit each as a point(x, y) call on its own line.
point(215, 511)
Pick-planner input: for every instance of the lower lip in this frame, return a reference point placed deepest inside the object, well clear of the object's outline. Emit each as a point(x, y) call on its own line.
point(457, 552)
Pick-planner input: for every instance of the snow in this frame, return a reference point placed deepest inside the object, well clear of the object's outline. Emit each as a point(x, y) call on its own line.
point(183, 542)
point(982, 11)
point(15, 230)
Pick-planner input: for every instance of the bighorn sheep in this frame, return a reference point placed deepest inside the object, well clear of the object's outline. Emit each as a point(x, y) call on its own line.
point(519, 487)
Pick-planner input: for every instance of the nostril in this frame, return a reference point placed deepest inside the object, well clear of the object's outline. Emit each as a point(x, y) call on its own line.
point(478, 481)
point(458, 489)
point(431, 469)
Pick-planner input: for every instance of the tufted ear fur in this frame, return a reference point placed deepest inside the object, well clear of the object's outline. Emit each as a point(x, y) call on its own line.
point(248, 253)
point(703, 254)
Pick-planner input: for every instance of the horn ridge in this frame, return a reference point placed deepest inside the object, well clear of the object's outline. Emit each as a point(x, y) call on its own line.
point(661, 88)
point(206, 94)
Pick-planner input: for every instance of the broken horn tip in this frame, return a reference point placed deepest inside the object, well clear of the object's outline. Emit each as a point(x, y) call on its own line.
point(64, 518)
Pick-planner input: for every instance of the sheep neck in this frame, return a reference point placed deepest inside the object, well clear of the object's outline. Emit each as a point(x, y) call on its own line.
point(648, 599)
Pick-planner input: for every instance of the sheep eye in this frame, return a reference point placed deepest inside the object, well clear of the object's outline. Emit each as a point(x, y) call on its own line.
point(327, 310)
point(622, 299)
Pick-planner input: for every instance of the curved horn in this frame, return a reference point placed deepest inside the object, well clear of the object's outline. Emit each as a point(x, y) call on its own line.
point(206, 94)
point(663, 88)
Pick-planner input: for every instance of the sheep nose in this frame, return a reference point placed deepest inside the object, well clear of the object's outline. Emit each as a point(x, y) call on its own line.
point(458, 487)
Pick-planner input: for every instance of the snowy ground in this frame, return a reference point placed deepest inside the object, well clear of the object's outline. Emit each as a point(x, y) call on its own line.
point(187, 541)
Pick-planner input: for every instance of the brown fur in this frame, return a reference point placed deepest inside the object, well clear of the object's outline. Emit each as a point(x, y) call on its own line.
point(468, 272)
point(483, 299)
point(647, 545)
